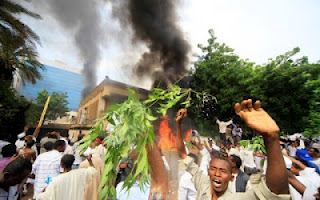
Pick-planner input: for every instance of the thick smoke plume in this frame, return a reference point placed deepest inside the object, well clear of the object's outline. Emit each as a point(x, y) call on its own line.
point(154, 23)
point(82, 18)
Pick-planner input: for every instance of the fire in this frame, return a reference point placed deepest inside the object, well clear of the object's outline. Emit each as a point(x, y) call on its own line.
point(167, 139)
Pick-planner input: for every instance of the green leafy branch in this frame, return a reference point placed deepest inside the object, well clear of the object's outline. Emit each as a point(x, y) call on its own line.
point(256, 144)
point(172, 96)
point(133, 131)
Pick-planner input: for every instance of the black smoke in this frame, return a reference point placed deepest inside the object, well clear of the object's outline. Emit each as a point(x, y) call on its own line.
point(154, 23)
point(81, 18)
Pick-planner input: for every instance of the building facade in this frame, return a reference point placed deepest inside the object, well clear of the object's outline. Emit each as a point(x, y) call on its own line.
point(107, 93)
point(56, 78)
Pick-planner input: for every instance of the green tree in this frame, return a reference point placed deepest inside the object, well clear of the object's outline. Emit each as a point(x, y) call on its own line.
point(17, 44)
point(57, 106)
point(312, 121)
point(220, 72)
point(288, 88)
point(12, 108)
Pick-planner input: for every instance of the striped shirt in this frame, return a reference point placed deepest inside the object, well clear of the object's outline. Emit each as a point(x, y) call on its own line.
point(46, 165)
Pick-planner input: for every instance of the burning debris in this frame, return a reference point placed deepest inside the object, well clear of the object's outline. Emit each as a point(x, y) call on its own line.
point(166, 137)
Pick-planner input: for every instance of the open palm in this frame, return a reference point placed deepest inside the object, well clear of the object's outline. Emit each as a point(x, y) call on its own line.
point(256, 118)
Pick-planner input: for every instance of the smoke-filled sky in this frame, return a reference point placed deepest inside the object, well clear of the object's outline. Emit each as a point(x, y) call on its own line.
point(257, 30)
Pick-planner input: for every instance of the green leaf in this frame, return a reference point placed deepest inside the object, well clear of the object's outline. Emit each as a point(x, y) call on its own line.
point(150, 118)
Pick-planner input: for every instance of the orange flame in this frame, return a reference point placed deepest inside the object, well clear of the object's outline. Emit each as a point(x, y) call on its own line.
point(167, 139)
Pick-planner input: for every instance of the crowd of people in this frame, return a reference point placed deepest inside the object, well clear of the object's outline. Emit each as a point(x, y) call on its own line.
point(289, 169)
point(57, 172)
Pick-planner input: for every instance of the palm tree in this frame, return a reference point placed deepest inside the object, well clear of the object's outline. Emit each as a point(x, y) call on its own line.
point(17, 44)
point(15, 55)
point(10, 24)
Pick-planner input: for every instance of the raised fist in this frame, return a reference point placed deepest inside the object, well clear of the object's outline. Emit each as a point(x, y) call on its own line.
point(181, 114)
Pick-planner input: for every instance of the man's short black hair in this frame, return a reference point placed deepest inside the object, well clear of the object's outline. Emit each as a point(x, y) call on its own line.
point(224, 159)
point(52, 136)
point(30, 143)
point(67, 160)
point(48, 146)
point(236, 160)
point(59, 143)
point(18, 165)
point(215, 154)
point(315, 150)
point(9, 150)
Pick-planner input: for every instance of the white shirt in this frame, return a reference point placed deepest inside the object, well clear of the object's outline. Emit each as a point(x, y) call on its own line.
point(46, 165)
point(223, 125)
point(134, 193)
point(68, 150)
point(205, 161)
point(76, 153)
point(186, 190)
point(309, 178)
point(309, 193)
point(292, 151)
point(247, 159)
point(234, 151)
point(19, 144)
point(70, 185)
point(215, 147)
point(317, 162)
point(98, 151)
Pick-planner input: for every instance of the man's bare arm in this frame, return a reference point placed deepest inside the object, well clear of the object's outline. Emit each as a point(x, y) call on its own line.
point(182, 113)
point(36, 132)
point(260, 121)
point(159, 175)
point(296, 183)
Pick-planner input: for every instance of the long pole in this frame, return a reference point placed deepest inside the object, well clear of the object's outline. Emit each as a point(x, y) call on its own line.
point(44, 111)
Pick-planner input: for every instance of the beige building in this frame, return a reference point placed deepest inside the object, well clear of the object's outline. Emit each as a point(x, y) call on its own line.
point(108, 92)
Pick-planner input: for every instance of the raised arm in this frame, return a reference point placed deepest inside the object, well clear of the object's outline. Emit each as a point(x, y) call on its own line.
point(159, 175)
point(182, 113)
point(259, 120)
point(229, 122)
point(36, 132)
point(217, 120)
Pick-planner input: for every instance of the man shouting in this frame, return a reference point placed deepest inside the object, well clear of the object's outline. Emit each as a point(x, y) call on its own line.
point(214, 186)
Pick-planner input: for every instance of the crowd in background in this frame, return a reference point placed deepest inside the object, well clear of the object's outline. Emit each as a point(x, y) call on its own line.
point(301, 156)
point(56, 170)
